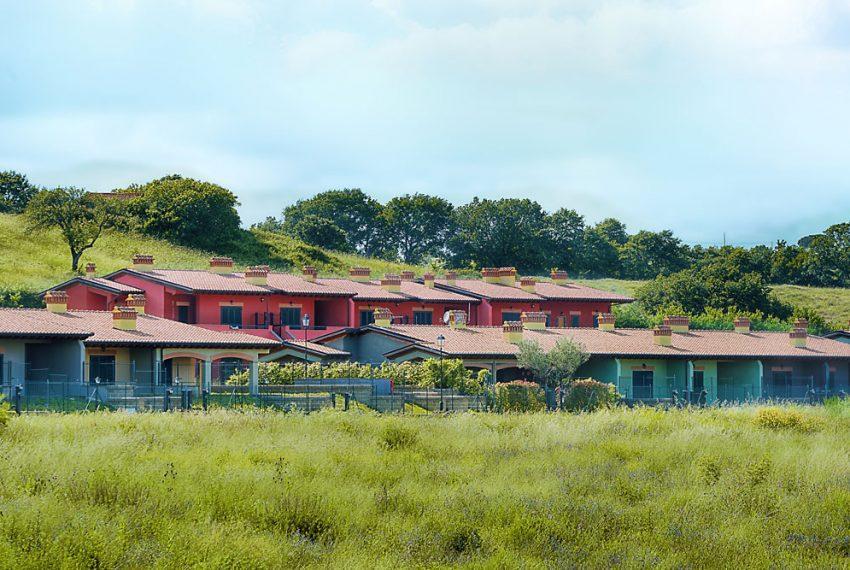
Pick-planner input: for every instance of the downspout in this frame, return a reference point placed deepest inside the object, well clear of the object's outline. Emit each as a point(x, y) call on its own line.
point(826, 376)
point(760, 379)
point(689, 381)
point(619, 371)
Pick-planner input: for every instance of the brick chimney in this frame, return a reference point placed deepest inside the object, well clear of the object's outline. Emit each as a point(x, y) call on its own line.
point(457, 320)
point(662, 335)
point(533, 320)
point(451, 278)
point(408, 276)
point(124, 318)
point(798, 337)
point(391, 283)
point(136, 301)
point(606, 322)
point(742, 325)
point(678, 323)
point(221, 265)
point(801, 323)
point(257, 275)
point(528, 284)
point(512, 331)
point(507, 276)
point(91, 270)
point(383, 317)
point(309, 273)
point(360, 274)
point(558, 277)
point(428, 279)
point(56, 301)
point(491, 274)
point(143, 262)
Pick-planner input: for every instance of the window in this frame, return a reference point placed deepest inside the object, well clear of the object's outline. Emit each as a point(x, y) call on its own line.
point(290, 316)
point(575, 320)
point(366, 318)
point(423, 318)
point(510, 316)
point(642, 384)
point(231, 316)
point(2, 372)
point(227, 367)
point(183, 313)
point(102, 368)
point(699, 381)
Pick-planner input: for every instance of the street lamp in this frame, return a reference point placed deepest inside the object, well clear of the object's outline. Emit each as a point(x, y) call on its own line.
point(440, 342)
point(305, 324)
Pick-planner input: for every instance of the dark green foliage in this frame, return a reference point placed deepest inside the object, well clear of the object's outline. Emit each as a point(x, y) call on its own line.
point(19, 298)
point(321, 232)
point(15, 192)
point(418, 225)
point(520, 396)
point(648, 254)
point(589, 395)
point(187, 212)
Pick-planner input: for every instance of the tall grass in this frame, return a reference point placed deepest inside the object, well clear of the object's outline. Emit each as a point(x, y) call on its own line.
point(713, 488)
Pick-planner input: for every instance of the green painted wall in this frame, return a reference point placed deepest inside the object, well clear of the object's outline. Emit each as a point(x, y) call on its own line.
point(738, 379)
point(668, 375)
point(603, 369)
point(709, 377)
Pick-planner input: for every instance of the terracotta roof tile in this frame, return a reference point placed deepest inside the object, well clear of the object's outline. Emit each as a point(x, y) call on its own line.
point(367, 291)
point(98, 283)
point(576, 292)
point(544, 290)
point(39, 323)
point(209, 282)
point(488, 341)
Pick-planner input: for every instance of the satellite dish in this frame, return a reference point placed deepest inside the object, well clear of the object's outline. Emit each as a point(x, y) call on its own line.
point(447, 318)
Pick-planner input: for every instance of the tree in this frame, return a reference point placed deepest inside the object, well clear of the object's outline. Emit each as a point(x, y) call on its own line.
point(554, 367)
point(566, 233)
point(79, 216)
point(15, 192)
point(419, 225)
point(352, 210)
point(613, 230)
point(506, 232)
point(187, 212)
point(599, 256)
point(321, 232)
point(270, 224)
point(648, 254)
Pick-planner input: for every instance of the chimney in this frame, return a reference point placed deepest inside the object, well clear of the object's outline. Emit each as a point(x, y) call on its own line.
point(56, 301)
point(457, 320)
point(383, 317)
point(742, 325)
point(559, 277)
point(490, 275)
point(360, 274)
point(143, 262)
point(527, 284)
point(678, 323)
point(606, 322)
point(408, 276)
point(798, 337)
point(91, 270)
point(801, 323)
point(428, 278)
point(391, 283)
point(533, 321)
point(221, 265)
point(257, 275)
point(507, 276)
point(309, 273)
point(451, 278)
point(512, 331)
point(124, 318)
point(136, 301)
point(662, 335)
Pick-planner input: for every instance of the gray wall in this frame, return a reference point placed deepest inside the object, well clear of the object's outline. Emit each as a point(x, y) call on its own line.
point(63, 359)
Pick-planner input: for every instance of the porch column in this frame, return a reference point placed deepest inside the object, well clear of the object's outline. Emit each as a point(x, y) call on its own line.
point(208, 374)
point(760, 384)
point(157, 364)
point(826, 376)
point(253, 379)
point(619, 373)
point(689, 381)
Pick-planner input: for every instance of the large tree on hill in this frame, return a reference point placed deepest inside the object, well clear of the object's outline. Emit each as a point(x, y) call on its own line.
point(321, 233)
point(80, 217)
point(418, 225)
point(566, 230)
point(648, 254)
point(15, 192)
point(350, 209)
point(506, 232)
point(186, 211)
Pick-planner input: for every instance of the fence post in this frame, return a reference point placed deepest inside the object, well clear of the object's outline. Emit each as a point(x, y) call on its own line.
point(18, 390)
point(166, 404)
point(204, 398)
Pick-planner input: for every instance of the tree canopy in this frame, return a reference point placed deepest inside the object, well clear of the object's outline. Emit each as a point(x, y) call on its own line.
point(418, 225)
point(15, 192)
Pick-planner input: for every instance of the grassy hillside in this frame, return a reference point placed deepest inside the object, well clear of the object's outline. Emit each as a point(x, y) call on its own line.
point(630, 488)
point(37, 261)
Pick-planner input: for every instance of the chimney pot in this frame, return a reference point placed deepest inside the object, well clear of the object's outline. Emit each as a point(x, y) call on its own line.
point(309, 273)
point(257, 275)
point(490, 274)
point(136, 301)
point(528, 284)
point(383, 317)
point(801, 323)
point(507, 276)
point(742, 325)
point(512, 331)
point(428, 278)
point(662, 335)
point(408, 276)
point(124, 318)
point(678, 323)
point(533, 320)
point(457, 319)
point(391, 283)
point(798, 337)
point(221, 265)
point(606, 322)
point(451, 277)
point(143, 262)
point(91, 269)
point(559, 277)
point(56, 301)
point(360, 274)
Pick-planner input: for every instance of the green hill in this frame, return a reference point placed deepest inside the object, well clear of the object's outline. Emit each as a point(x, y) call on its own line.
point(34, 262)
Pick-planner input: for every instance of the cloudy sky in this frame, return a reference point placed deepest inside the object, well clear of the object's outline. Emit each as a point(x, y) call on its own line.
point(704, 116)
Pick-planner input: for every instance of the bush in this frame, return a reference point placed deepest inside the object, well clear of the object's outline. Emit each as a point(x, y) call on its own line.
point(5, 416)
point(779, 419)
point(589, 395)
point(520, 396)
point(397, 436)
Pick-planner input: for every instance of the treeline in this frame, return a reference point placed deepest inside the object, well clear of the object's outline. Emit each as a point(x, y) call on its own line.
point(417, 228)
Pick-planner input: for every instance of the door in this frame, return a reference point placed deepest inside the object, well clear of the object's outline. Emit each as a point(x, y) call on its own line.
point(699, 384)
point(366, 318)
point(183, 313)
point(423, 318)
point(290, 316)
point(102, 369)
point(231, 316)
point(642, 382)
point(510, 316)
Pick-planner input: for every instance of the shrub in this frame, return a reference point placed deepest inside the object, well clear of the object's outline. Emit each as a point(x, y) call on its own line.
point(397, 436)
point(5, 416)
point(520, 396)
point(589, 395)
point(776, 418)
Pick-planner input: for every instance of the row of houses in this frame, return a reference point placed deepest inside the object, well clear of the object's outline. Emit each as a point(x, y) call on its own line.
point(150, 328)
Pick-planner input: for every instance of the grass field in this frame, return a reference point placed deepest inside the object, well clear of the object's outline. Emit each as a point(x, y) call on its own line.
point(631, 488)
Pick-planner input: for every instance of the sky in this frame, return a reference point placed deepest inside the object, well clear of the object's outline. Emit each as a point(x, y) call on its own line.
point(706, 117)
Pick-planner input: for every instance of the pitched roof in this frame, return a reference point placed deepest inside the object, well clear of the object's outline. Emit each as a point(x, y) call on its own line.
point(201, 281)
point(97, 283)
point(38, 323)
point(544, 290)
point(365, 291)
point(487, 342)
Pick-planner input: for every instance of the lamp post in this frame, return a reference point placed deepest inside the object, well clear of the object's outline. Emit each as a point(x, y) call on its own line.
point(440, 342)
point(305, 323)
